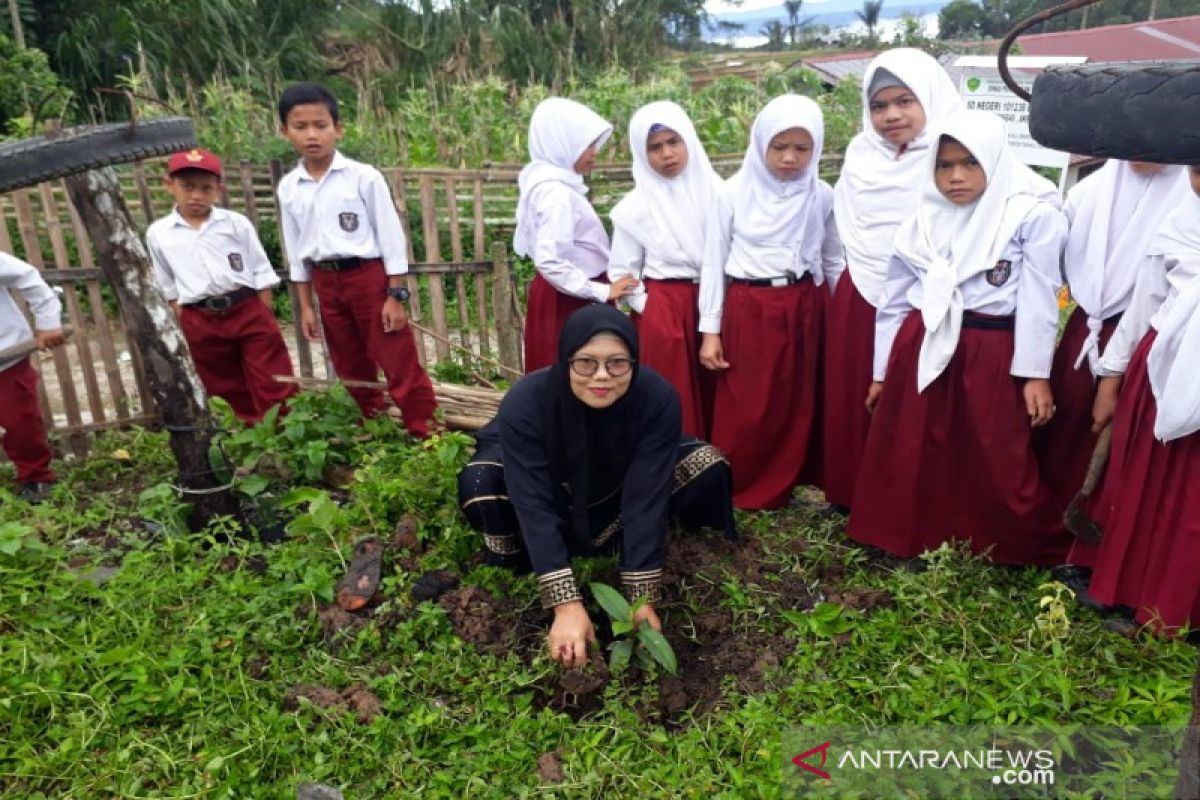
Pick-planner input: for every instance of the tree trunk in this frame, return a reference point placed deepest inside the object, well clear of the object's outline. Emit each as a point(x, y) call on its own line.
point(1188, 786)
point(170, 376)
point(18, 30)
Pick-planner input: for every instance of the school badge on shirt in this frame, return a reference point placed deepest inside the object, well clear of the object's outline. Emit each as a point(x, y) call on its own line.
point(998, 275)
point(349, 221)
point(235, 262)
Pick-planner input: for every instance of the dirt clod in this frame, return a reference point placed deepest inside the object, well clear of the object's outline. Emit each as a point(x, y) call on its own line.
point(357, 699)
point(433, 585)
point(478, 617)
point(363, 702)
point(337, 624)
point(404, 537)
point(550, 767)
point(319, 696)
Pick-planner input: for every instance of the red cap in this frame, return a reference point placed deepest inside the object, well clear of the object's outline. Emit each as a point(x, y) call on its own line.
point(196, 158)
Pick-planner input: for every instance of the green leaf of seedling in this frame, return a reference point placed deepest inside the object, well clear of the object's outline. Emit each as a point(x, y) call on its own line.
point(620, 627)
point(621, 651)
point(304, 494)
point(611, 601)
point(658, 647)
point(253, 484)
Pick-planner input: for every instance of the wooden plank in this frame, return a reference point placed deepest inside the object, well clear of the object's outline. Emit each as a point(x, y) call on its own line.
point(433, 255)
point(143, 190)
point(5, 240)
point(481, 303)
point(508, 325)
point(100, 324)
point(83, 347)
point(396, 178)
point(303, 346)
point(247, 176)
point(456, 253)
point(145, 420)
point(27, 227)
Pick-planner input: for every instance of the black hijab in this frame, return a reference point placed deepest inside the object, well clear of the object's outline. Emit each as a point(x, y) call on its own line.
point(590, 446)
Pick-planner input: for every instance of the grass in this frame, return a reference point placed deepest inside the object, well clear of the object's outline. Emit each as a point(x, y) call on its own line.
point(169, 679)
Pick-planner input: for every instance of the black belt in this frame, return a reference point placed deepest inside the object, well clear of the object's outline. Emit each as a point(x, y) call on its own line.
point(787, 280)
point(693, 281)
point(336, 264)
point(986, 322)
point(223, 302)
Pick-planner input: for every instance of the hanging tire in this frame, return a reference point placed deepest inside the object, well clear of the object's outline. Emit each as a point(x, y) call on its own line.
point(1139, 111)
point(42, 158)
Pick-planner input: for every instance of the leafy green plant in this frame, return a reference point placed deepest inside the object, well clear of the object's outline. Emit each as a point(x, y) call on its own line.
point(17, 538)
point(650, 646)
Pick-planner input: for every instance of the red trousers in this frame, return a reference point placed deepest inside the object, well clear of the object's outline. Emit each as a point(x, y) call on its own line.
point(352, 317)
point(24, 439)
point(955, 461)
point(545, 312)
point(670, 344)
point(236, 354)
point(765, 408)
point(849, 353)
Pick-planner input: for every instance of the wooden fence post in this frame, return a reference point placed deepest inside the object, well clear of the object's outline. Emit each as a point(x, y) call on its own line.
point(170, 375)
point(509, 336)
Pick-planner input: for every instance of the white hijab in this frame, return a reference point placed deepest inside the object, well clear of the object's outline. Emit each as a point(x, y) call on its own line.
point(950, 243)
point(1114, 213)
point(559, 131)
point(667, 215)
point(879, 184)
point(1176, 350)
point(769, 212)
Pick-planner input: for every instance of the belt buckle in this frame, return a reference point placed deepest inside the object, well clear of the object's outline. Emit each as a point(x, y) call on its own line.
point(221, 302)
point(778, 282)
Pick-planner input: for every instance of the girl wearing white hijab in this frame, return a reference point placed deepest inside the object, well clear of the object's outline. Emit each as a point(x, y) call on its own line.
point(557, 227)
point(964, 340)
point(770, 249)
point(1113, 215)
point(658, 239)
point(1149, 558)
point(905, 94)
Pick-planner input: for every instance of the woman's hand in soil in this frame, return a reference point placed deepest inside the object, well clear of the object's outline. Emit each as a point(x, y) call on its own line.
point(647, 614)
point(712, 354)
point(873, 393)
point(622, 287)
point(570, 634)
point(1105, 404)
point(1039, 401)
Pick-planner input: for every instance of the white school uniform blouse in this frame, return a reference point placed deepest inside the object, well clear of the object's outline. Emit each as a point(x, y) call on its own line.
point(223, 255)
point(1159, 282)
point(570, 248)
point(17, 276)
point(1027, 288)
point(630, 258)
point(349, 213)
point(728, 255)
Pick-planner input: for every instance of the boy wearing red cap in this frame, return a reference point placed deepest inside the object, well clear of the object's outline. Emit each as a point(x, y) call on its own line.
point(345, 242)
point(22, 428)
point(216, 275)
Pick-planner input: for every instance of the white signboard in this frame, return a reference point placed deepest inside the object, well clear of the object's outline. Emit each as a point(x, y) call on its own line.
point(983, 88)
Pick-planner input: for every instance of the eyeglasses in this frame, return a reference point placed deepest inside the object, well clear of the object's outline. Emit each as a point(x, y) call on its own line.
point(586, 367)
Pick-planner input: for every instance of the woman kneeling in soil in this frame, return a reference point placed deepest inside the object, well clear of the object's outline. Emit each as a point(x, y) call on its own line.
point(594, 426)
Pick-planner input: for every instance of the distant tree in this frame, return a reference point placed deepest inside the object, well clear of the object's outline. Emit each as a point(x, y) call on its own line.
point(870, 16)
point(776, 33)
point(793, 11)
point(962, 19)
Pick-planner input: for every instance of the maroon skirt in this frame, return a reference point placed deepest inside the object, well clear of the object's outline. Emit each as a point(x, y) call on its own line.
point(1149, 558)
point(764, 408)
point(956, 461)
point(849, 350)
point(670, 343)
point(545, 312)
point(1064, 445)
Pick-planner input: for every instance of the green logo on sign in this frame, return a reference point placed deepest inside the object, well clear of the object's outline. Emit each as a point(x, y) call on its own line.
point(973, 84)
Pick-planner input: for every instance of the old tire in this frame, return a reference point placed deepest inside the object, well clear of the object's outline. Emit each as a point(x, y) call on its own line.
point(1144, 111)
point(32, 161)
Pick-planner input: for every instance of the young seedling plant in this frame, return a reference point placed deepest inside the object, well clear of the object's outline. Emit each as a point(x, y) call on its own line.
point(650, 646)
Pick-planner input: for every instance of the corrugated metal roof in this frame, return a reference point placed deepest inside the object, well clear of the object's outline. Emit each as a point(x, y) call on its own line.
point(1163, 39)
